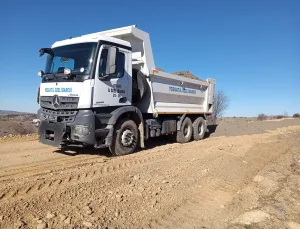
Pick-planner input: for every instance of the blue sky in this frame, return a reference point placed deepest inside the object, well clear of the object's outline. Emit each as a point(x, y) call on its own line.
point(251, 47)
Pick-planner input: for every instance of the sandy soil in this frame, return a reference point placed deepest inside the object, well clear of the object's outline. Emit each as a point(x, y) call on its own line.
point(247, 178)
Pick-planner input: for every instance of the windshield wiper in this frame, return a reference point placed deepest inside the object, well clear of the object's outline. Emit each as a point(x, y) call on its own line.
point(48, 74)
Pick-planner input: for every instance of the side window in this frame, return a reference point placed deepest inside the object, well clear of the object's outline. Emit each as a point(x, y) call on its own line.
point(102, 64)
point(120, 64)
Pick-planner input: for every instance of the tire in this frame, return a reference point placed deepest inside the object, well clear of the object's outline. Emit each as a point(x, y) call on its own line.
point(140, 85)
point(127, 131)
point(199, 128)
point(185, 133)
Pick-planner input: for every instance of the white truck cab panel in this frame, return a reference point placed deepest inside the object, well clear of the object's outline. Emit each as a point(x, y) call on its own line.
point(115, 90)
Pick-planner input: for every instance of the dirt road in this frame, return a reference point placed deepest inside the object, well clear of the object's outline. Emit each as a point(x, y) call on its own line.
point(249, 181)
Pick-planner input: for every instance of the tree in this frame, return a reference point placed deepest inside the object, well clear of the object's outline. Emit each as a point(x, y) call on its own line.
point(221, 103)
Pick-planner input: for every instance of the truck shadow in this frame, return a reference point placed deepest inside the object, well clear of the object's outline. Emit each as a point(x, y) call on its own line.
point(164, 140)
point(149, 144)
point(211, 129)
point(157, 141)
point(88, 150)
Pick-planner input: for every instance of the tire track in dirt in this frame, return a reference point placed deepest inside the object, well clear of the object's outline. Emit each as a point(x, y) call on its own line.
point(201, 204)
point(40, 184)
point(51, 165)
point(202, 208)
point(85, 157)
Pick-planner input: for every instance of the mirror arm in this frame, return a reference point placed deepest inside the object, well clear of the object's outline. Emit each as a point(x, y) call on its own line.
point(105, 77)
point(46, 50)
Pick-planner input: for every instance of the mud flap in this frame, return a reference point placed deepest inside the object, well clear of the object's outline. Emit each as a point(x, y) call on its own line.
point(141, 130)
point(51, 133)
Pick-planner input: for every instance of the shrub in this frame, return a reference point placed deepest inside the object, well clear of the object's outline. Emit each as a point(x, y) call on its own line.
point(262, 117)
point(280, 116)
point(221, 103)
point(23, 128)
point(297, 115)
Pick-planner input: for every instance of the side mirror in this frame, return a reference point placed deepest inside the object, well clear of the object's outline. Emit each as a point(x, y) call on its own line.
point(42, 52)
point(46, 50)
point(111, 62)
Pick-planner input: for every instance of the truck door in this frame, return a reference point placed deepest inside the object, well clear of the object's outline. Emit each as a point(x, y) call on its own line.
point(115, 90)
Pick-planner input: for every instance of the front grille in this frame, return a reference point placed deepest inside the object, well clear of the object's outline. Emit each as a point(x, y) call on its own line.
point(65, 116)
point(60, 102)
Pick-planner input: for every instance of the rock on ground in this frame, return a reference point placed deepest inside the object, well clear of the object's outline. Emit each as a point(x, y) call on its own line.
point(250, 217)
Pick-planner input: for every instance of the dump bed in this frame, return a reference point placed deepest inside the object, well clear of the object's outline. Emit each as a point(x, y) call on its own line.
point(172, 94)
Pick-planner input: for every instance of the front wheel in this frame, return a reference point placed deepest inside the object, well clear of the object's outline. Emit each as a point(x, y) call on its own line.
point(125, 138)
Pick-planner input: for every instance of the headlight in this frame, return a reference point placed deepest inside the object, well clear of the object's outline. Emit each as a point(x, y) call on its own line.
point(81, 130)
point(44, 116)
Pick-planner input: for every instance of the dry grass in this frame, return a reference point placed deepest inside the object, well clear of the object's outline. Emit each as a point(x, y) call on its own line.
point(23, 128)
point(16, 128)
point(17, 117)
point(17, 124)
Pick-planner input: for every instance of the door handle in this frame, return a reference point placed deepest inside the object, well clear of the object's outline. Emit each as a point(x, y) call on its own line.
point(123, 100)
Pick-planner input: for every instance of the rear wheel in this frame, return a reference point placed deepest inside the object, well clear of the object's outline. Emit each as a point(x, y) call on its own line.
point(125, 138)
point(186, 131)
point(199, 128)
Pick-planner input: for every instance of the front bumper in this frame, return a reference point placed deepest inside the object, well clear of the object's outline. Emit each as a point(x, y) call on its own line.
point(80, 132)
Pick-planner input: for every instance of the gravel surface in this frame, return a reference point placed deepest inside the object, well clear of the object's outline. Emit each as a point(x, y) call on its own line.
point(251, 180)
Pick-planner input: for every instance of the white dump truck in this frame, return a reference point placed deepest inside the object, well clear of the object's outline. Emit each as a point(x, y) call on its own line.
point(103, 89)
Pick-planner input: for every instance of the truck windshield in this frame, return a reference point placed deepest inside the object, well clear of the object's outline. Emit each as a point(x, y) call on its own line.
point(77, 57)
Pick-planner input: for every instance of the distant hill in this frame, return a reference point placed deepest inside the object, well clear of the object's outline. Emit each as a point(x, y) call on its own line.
point(10, 112)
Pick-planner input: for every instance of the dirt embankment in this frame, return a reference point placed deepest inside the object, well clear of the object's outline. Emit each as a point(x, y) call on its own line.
point(247, 126)
point(248, 181)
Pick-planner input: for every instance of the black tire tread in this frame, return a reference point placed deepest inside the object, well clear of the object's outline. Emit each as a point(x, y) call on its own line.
point(180, 135)
point(116, 148)
point(196, 124)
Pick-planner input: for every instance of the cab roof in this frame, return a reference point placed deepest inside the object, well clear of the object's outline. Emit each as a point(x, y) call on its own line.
point(130, 36)
point(90, 38)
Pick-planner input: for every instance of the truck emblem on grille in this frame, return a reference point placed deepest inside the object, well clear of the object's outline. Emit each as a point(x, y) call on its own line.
point(55, 101)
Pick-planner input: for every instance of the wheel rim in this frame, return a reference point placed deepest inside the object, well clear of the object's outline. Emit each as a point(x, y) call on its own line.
point(187, 130)
point(127, 138)
point(200, 129)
